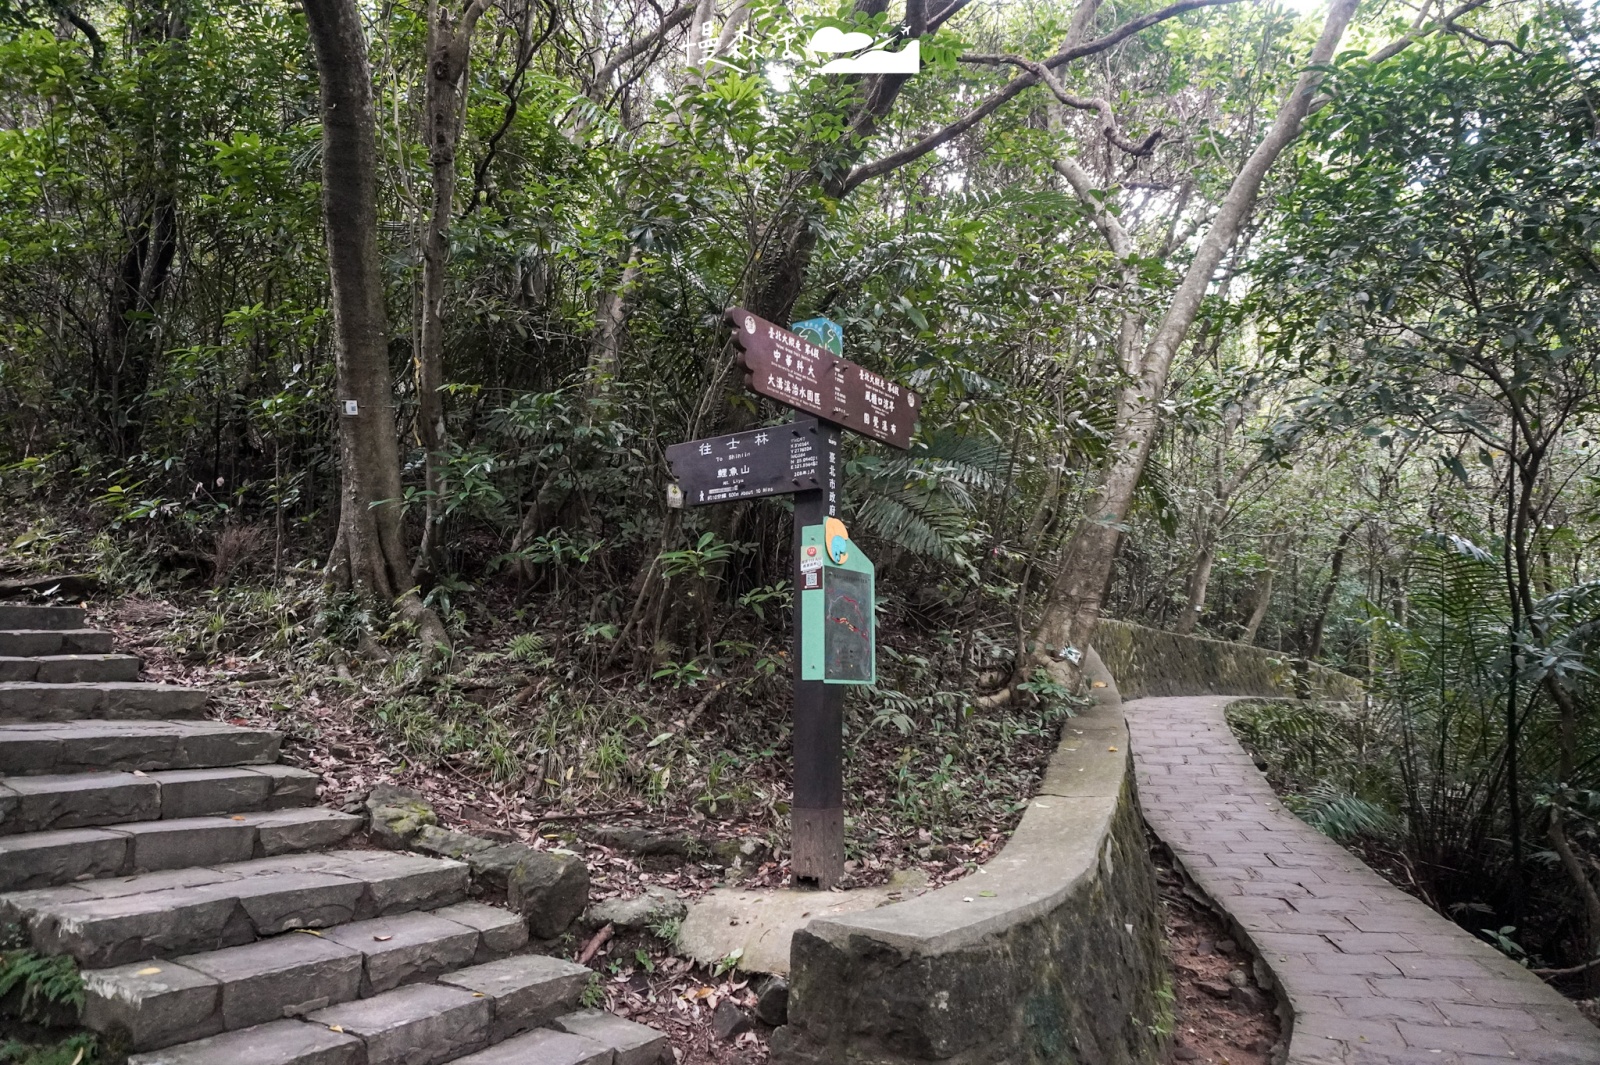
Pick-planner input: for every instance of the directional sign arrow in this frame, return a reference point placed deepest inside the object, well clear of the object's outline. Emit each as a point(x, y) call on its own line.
point(787, 367)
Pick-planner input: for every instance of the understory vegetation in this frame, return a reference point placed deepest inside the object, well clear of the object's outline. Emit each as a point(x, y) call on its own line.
point(1416, 778)
point(1230, 318)
point(43, 999)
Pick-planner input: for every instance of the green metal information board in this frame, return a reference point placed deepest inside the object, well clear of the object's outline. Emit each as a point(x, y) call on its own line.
point(838, 630)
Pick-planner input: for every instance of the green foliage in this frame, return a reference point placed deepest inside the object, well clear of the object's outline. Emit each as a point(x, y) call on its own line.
point(43, 986)
point(926, 501)
point(667, 929)
point(1421, 281)
point(80, 1049)
point(1333, 760)
point(1444, 235)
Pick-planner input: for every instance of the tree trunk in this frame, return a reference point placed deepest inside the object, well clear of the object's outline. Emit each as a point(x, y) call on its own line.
point(1325, 600)
point(449, 49)
point(1261, 594)
point(129, 345)
point(1195, 590)
point(1069, 615)
point(368, 554)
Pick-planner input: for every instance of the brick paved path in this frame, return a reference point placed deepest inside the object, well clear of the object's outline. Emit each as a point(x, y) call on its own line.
point(1371, 974)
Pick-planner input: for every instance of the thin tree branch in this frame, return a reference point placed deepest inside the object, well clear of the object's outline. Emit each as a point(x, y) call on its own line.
point(1573, 971)
point(1108, 120)
point(895, 160)
point(676, 17)
point(97, 47)
point(1489, 42)
point(950, 10)
point(480, 173)
point(1401, 43)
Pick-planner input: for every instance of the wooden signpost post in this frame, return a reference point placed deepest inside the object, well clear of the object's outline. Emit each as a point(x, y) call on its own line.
point(834, 631)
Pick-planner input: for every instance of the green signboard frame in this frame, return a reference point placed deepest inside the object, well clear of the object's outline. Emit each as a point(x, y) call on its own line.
point(838, 613)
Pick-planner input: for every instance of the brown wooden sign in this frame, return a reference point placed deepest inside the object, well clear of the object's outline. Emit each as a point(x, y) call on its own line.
point(787, 367)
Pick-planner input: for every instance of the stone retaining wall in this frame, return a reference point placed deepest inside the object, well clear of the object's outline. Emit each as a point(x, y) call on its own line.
point(1149, 662)
point(1052, 953)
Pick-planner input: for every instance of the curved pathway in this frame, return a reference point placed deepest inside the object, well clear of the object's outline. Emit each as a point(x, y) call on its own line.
point(1371, 974)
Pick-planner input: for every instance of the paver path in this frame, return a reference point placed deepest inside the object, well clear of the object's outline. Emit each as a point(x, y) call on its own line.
point(1371, 974)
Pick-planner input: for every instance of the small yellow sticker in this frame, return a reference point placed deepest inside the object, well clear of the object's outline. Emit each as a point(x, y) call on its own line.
point(151, 971)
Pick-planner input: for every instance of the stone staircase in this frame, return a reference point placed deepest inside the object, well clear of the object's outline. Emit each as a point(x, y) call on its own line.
point(212, 909)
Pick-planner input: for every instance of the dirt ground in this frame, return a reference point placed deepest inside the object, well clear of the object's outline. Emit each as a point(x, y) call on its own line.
point(1222, 1017)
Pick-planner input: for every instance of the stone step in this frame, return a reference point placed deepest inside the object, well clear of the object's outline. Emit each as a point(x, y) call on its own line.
point(48, 859)
point(524, 991)
point(28, 642)
point(149, 1005)
point(25, 616)
point(297, 1043)
point(424, 1024)
point(69, 669)
point(111, 700)
point(56, 801)
point(104, 923)
point(33, 749)
point(543, 1046)
point(278, 1043)
point(632, 1043)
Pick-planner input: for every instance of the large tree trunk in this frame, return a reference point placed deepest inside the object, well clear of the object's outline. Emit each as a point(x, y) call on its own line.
point(449, 49)
point(369, 555)
point(1069, 615)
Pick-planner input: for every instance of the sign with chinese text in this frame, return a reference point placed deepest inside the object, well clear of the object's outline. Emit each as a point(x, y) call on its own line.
point(800, 373)
point(796, 457)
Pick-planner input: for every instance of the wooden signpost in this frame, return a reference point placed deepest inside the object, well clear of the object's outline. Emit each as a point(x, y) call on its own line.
point(834, 629)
